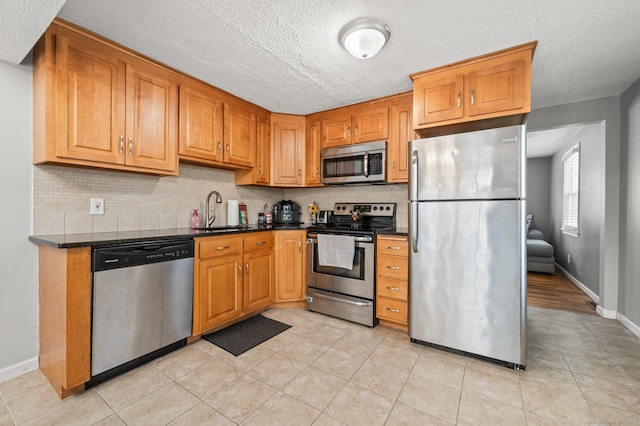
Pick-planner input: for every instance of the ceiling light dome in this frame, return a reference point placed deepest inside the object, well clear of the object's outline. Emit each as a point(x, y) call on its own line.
point(364, 37)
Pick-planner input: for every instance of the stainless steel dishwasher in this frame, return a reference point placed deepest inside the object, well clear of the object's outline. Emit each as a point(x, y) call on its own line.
point(142, 303)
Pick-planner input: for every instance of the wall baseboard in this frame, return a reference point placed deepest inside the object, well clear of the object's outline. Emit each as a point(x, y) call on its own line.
point(606, 313)
point(635, 329)
point(24, 367)
point(586, 290)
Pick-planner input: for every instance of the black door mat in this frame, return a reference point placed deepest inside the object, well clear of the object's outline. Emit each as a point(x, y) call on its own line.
point(247, 334)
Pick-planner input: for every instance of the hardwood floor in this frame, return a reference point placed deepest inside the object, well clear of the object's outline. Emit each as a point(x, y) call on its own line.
point(556, 292)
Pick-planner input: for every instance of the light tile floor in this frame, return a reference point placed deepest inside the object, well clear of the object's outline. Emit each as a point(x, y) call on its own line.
point(323, 371)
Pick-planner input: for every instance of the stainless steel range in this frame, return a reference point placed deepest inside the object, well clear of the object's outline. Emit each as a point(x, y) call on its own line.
point(341, 261)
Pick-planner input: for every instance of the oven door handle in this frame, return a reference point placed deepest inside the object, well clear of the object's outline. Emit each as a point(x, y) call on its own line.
point(313, 238)
point(337, 299)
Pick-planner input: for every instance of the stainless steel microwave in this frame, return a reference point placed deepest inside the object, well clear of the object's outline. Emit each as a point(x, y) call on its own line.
point(358, 163)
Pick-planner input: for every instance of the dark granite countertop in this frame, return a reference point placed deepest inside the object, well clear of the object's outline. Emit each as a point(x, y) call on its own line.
point(101, 239)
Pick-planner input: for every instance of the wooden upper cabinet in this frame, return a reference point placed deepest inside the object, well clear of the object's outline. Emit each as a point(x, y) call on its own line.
point(239, 135)
point(439, 98)
point(371, 124)
point(98, 105)
point(262, 170)
point(488, 91)
point(348, 125)
point(152, 118)
point(312, 152)
point(90, 100)
point(200, 122)
point(400, 133)
point(288, 149)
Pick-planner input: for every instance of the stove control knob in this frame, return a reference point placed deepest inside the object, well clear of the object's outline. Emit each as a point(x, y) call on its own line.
point(375, 208)
point(388, 208)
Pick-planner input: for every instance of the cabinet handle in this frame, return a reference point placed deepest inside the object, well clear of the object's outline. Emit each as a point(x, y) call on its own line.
point(219, 145)
point(396, 311)
point(300, 246)
point(393, 267)
point(260, 169)
point(393, 288)
point(317, 171)
point(393, 165)
point(356, 130)
point(239, 270)
point(473, 96)
point(222, 247)
point(459, 95)
point(226, 149)
point(259, 243)
point(348, 130)
point(299, 172)
point(247, 266)
point(121, 144)
point(130, 146)
point(393, 248)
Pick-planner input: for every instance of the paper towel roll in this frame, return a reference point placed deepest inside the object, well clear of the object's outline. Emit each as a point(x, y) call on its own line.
point(232, 212)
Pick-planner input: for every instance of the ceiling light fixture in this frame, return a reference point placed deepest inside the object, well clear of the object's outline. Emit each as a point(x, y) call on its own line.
point(364, 37)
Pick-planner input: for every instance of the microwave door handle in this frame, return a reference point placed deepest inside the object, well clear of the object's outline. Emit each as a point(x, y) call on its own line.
point(366, 164)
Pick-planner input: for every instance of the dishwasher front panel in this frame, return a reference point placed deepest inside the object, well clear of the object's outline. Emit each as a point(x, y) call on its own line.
point(139, 309)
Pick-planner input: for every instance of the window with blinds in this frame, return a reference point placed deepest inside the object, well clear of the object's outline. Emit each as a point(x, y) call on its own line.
point(571, 191)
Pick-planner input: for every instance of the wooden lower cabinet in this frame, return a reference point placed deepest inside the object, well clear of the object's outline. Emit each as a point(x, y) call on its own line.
point(233, 277)
point(392, 281)
point(65, 317)
point(290, 265)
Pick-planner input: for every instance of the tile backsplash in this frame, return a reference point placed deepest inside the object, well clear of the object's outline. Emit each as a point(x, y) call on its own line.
point(139, 202)
point(134, 201)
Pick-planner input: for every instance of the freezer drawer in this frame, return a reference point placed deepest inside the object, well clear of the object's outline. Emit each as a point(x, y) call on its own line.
point(468, 277)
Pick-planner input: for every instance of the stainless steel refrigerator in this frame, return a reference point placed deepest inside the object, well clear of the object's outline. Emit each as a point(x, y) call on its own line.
point(468, 247)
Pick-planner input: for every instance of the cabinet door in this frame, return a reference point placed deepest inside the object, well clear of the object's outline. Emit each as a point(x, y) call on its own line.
point(400, 133)
point(152, 117)
point(497, 88)
point(336, 131)
point(239, 135)
point(371, 125)
point(288, 149)
point(438, 97)
point(90, 100)
point(262, 170)
point(220, 292)
point(312, 153)
point(258, 280)
point(290, 265)
point(200, 123)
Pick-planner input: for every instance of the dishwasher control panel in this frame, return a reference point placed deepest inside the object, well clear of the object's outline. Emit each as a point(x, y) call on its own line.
point(127, 255)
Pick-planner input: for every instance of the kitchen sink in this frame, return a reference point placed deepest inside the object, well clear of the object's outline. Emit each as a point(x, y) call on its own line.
point(226, 228)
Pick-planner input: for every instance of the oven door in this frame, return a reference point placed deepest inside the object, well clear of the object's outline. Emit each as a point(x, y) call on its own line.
point(358, 281)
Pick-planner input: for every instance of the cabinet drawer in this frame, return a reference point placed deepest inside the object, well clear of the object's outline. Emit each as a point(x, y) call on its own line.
point(258, 241)
point(393, 246)
point(392, 288)
point(219, 246)
point(392, 310)
point(391, 266)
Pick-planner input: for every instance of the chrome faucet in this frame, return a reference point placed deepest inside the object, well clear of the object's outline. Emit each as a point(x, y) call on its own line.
point(210, 216)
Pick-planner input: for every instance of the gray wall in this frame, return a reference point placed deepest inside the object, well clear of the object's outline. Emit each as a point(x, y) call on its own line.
point(539, 192)
point(584, 249)
point(629, 295)
point(18, 257)
point(606, 110)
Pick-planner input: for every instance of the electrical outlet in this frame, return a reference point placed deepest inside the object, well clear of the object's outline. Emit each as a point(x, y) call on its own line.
point(97, 206)
point(568, 258)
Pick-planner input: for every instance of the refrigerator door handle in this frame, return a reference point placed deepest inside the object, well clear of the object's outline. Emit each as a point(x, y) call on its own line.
point(414, 176)
point(413, 197)
point(413, 223)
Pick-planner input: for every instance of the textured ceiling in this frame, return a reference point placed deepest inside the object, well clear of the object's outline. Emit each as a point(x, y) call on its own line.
point(284, 55)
